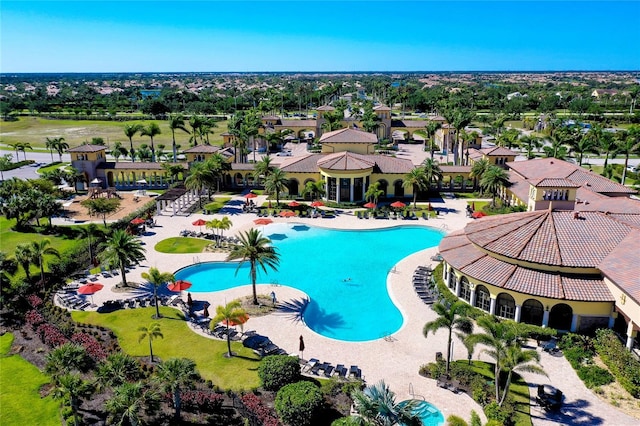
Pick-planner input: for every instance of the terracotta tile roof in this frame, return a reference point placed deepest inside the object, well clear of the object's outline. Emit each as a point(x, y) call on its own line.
point(461, 256)
point(498, 151)
point(202, 149)
point(592, 201)
point(345, 161)
point(518, 186)
point(621, 265)
point(413, 124)
point(325, 108)
point(308, 164)
point(391, 165)
point(535, 283)
point(455, 169)
point(242, 166)
point(349, 136)
point(632, 219)
point(381, 108)
point(585, 288)
point(87, 148)
point(553, 183)
point(453, 240)
point(298, 123)
point(136, 166)
point(490, 270)
point(598, 183)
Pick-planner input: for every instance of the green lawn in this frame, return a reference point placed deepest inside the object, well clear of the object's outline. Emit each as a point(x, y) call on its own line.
point(20, 382)
point(180, 342)
point(35, 130)
point(52, 166)
point(216, 204)
point(182, 245)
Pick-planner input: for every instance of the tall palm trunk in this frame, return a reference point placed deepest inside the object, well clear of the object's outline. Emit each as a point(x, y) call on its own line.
point(253, 281)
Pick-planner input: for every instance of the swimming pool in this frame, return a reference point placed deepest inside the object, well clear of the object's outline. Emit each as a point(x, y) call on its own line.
point(427, 412)
point(344, 273)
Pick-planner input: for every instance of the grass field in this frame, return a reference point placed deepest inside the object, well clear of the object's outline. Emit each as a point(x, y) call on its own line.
point(20, 399)
point(179, 341)
point(182, 245)
point(216, 204)
point(35, 130)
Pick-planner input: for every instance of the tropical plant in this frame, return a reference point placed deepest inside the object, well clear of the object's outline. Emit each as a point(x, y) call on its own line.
point(151, 332)
point(5, 163)
point(432, 171)
point(40, 250)
point(374, 192)
point(130, 131)
point(263, 168)
point(258, 251)
point(200, 177)
point(276, 183)
point(530, 143)
point(89, 233)
point(299, 403)
point(377, 405)
point(492, 180)
point(218, 166)
point(176, 122)
point(129, 401)
point(71, 388)
point(25, 257)
point(157, 279)
point(314, 189)
point(478, 169)
point(452, 318)
point(430, 131)
point(417, 181)
point(50, 145)
point(118, 368)
point(101, 206)
point(276, 371)
point(231, 312)
point(59, 145)
point(628, 143)
point(174, 375)
point(121, 250)
point(66, 358)
point(173, 170)
point(151, 130)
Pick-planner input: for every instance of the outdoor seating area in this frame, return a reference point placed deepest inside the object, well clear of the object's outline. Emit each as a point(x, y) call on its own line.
point(452, 385)
point(423, 285)
point(549, 397)
point(261, 345)
point(315, 367)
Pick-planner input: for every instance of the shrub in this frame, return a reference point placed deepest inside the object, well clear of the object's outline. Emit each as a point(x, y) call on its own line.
point(91, 345)
point(347, 421)
point(50, 335)
point(196, 401)
point(263, 413)
point(298, 403)
point(621, 362)
point(276, 371)
point(503, 414)
point(475, 419)
point(456, 421)
point(594, 376)
point(433, 369)
point(34, 300)
point(34, 319)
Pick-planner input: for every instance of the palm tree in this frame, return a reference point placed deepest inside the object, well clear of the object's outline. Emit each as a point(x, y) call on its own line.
point(50, 144)
point(72, 388)
point(151, 130)
point(450, 318)
point(231, 312)
point(174, 375)
point(129, 400)
point(60, 146)
point(200, 177)
point(41, 249)
point(151, 332)
point(516, 359)
point(432, 171)
point(430, 131)
point(276, 182)
point(492, 180)
point(374, 192)
point(417, 181)
point(122, 250)
point(258, 251)
point(314, 189)
point(176, 122)
point(173, 170)
point(376, 404)
point(23, 146)
point(25, 257)
point(90, 232)
point(478, 169)
point(263, 168)
point(117, 369)
point(65, 359)
point(130, 131)
point(607, 145)
point(628, 143)
point(218, 167)
point(196, 122)
point(156, 279)
point(530, 142)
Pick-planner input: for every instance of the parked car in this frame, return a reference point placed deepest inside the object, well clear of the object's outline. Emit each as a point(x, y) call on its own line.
point(284, 154)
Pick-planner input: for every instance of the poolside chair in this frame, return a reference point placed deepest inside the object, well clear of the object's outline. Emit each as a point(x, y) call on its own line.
point(327, 370)
point(341, 371)
point(355, 372)
point(442, 382)
point(316, 368)
point(454, 386)
point(310, 364)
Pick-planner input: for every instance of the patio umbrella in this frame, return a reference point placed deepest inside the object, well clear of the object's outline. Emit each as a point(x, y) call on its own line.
point(398, 204)
point(241, 320)
point(205, 312)
point(137, 221)
point(142, 181)
point(317, 204)
point(262, 221)
point(179, 286)
point(287, 213)
point(370, 205)
point(250, 195)
point(90, 289)
point(473, 205)
point(478, 214)
point(301, 347)
point(199, 223)
point(294, 204)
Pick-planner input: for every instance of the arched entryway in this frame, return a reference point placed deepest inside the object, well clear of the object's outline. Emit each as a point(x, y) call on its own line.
point(505, 306)
point(239, 179)
point(293, 187)
point(483, 298)
point(398, 189)
point(384, 187)
point(532, 312)
point(110, 179)
point(560, 316)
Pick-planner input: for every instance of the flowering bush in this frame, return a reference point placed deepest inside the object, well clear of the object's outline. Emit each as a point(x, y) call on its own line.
point(34, 300)
point(264, 414)
point(50, 335)
point(34, 318)
point(195, 401)
point(91, 345)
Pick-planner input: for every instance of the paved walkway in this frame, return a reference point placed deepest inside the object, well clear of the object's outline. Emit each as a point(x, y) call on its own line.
point(396, 359)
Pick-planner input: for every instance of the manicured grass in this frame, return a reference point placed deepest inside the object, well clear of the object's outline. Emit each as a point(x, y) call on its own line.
point(519, 391)
point(20, 399)
point(179, 341)
point(182, 245)
point(217, 204)
point(479, 205)
point(35, 130)
point(52, 166)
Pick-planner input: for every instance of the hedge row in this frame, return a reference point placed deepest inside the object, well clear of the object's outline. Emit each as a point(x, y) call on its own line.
point(621, 362)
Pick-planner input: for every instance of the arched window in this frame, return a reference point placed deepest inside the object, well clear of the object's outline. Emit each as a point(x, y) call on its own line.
point(293, 187)
point(505, 306)
point(532, 312)
point(483, 298)
point(560, 316)
point(465, 289)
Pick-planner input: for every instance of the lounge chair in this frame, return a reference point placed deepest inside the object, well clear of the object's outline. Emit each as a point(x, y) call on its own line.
point(442, 382)
point(354, 371)
point(454, 386)
point(341, 371)
point(310, 364)
point(327, 370)
point(316, 369)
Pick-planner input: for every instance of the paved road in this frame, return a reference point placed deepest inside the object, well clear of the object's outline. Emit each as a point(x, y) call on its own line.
point(30, 172)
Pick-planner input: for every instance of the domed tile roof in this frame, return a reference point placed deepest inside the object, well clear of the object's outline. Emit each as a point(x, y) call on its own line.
point(345, 161)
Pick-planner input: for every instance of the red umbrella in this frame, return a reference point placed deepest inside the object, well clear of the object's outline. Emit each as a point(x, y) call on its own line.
point(241, 320)
point(287, 213)
point(199, 223)
point(370, 205)
point(137, 221)
point(179, 286)
point(90, 289)
point(317, 204)
point(478, 214)
point(294, 204)
point(262, 221)
point(250, 195)
point(398, 204)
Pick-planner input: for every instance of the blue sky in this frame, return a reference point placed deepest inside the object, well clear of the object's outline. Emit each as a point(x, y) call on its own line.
point(200, 36)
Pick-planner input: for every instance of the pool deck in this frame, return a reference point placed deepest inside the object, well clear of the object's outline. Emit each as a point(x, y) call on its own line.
point(397, 358)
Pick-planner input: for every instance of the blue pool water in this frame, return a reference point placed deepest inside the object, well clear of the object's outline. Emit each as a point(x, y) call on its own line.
point(343, 272)
point(428, 413)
